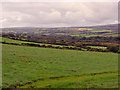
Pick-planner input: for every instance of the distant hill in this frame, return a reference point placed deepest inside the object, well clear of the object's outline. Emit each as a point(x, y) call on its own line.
point(106, 27)
point(98, 27)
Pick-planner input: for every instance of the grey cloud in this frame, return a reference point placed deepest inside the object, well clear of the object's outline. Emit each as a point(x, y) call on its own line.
point(59, 14)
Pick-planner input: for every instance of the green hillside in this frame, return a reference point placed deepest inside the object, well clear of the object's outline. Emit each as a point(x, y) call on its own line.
point(46, 67)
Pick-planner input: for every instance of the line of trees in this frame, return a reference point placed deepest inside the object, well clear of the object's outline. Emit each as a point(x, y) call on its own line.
point(109, 49)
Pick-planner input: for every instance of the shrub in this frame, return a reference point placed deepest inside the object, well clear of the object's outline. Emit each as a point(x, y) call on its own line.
point(113, 48)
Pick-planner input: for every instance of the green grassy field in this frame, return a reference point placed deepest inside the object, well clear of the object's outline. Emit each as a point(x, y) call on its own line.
point(101, 31)
point(46, 67)
point(75, 35)
point(98, 47)
point(19, 42)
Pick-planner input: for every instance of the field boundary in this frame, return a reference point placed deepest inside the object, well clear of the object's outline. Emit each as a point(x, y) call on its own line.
point(56, 47)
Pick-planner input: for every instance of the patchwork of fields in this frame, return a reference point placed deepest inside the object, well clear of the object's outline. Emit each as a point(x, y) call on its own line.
point(25, 66)
point(104, 31)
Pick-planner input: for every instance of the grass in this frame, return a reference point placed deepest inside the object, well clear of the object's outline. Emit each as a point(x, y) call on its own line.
point(23, 64)
point(19, 42)
point(25, 32)
point(94, 35)
point(60, 33)
point(86, 81)
point(101, 31)
point(98, 47)
point(75, 35)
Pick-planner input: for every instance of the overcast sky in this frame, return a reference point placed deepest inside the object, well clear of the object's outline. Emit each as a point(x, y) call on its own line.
point(51, 14)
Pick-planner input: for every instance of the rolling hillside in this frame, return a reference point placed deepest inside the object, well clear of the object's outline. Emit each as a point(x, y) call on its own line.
point(48, 67)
